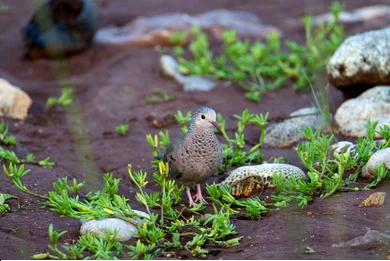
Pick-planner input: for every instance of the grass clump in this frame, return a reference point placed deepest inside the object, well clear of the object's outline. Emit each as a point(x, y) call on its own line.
point(4, 207)
point(122, 129)
point(261, 67)
point(158, 96)
point(64, 100)
point(328, 174)
point(6, 138)
point(170, 226)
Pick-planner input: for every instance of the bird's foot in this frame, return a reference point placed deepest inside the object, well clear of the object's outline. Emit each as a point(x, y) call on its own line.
point(198, 197)
point(190, 200)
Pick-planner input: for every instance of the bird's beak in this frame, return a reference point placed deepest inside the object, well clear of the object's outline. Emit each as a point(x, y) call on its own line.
point(215, 124)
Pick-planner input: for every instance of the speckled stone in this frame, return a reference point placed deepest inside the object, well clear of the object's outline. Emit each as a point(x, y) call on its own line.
point(288, 132)
point(247, 180)
point(362, 59)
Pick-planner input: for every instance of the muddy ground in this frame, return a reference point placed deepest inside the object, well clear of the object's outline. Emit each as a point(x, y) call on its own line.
point(110, 83)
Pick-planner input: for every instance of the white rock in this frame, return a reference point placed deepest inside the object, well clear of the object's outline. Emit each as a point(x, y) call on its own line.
point(379, 158)
point(362, 60)
point(157, 30)
point(342, 147)
point(14, 103)
point(352, 116)
point(170, 68)
point(362, 14)
point(123, 229)
point(286, 133)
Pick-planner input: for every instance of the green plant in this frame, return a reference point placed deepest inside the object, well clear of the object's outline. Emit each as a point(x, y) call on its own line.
point(64, 100)
point(4, 207)
point(261, 67)
point(381, 174)
point(158, 96)
point(327, 175)
point(122, 129)
point(178, 38)
point(6, 138)
point(169, 226)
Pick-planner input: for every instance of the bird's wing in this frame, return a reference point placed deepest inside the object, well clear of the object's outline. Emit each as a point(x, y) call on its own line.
point(171, 158)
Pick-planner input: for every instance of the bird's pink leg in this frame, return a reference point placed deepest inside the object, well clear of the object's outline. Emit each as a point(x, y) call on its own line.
point(190, 200)
point(198, 196)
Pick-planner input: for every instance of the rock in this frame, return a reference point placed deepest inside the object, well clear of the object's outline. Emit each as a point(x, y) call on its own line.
point(98, 228)
point(170, 68)
point(363, 14)
point(375, 199)
point(342, 147)
point(14, 103)
point(123, 229)
point(72, 28)
point(247, 180)
point(371, 236)
point(361, 60)
point(158, 30)
point(352, 116)
point(286, 133)
point(379, 158)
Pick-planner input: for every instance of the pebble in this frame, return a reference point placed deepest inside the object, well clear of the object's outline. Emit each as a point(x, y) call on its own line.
point(375, 199)
point(352, 116)
point(288, 132)
point(14, 102)
point(124, 230)
point(247, 180)
point(361, 60)
point(342, 147)
point(379, 158)
point(370, 237)
point(170, 68)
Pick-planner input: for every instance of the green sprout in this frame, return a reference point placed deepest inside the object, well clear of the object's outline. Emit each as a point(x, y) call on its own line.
point(64, 100)
point(6, 138)
point(122, 129)
point(4, 207)
point(158, 96)
point(15, 174)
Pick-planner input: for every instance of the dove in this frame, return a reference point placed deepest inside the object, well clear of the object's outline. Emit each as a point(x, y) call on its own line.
point(197, 155)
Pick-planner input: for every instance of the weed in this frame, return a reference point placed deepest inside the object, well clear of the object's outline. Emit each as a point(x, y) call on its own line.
point(4, 207)
point(166, 228)
point(178, 38)
point(327, 175)
point(122, 129)
point(262, 67)
point(158, 96)
point(5, 137)
point(64, 100)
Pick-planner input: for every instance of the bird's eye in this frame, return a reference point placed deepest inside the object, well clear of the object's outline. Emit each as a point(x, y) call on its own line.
point(203, 117)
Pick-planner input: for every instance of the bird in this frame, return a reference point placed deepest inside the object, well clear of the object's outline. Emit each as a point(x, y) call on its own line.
point(196, 155)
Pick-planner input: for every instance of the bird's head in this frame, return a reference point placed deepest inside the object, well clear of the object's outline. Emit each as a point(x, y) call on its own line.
point(204, 117)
